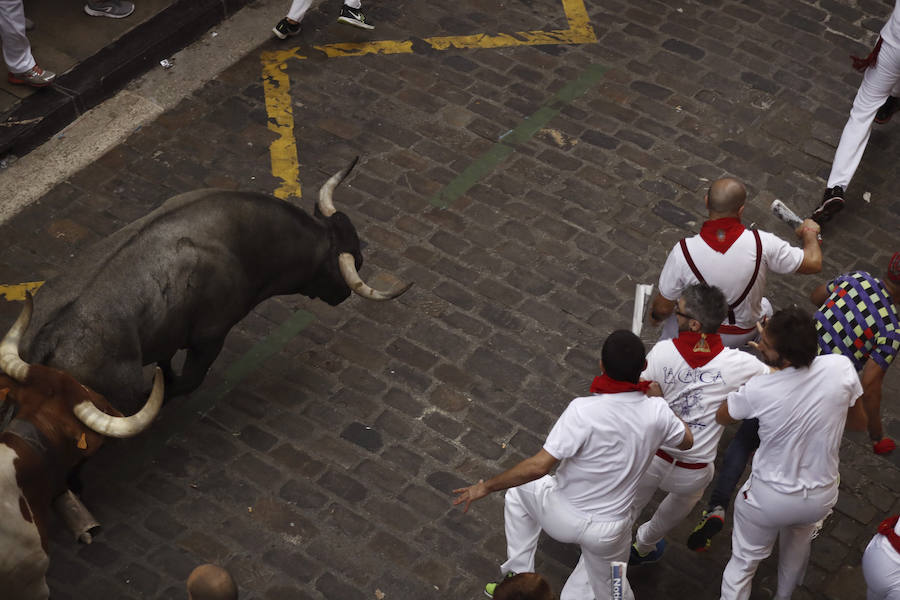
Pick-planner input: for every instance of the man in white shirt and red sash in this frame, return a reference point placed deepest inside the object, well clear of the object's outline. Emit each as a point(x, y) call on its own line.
point(734, 259)
point(602, 445)
point(881, 562)
point(695, 371)
point(802, 408)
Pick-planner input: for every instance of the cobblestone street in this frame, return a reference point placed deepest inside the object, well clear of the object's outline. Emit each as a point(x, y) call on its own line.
point(525, 177)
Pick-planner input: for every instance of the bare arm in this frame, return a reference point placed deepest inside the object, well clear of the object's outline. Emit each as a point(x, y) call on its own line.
point(856, 417)
point(687, 442)
point(529, 469)
point(808, 232)
point(872, 377)
point(723, 417)
point(819, 295)
point(661, 308)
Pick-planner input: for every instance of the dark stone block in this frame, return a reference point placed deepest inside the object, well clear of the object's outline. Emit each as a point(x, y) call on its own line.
point(362, 435)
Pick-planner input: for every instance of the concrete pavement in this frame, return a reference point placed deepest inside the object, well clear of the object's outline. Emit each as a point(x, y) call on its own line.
point(526, 185)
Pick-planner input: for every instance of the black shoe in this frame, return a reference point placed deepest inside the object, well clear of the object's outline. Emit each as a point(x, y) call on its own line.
point(887, 110)
point(712, 522)
point(286, 29)
point(832, 204)
point(354, 16)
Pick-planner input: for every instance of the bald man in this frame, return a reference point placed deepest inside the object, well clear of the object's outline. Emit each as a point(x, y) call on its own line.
point(734, 259)
point(209, 582)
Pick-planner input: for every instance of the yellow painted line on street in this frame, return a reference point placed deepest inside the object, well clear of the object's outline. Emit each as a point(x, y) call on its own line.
point(283, 150)
point(276, 83)
point(17, 291)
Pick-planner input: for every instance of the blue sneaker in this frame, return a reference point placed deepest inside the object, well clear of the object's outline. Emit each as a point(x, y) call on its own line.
point(637, 558)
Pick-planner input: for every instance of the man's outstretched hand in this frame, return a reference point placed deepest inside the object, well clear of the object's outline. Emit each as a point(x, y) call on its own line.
point(470, 494)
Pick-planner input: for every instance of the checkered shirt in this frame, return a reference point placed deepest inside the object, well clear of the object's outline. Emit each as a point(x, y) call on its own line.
point(858, 320)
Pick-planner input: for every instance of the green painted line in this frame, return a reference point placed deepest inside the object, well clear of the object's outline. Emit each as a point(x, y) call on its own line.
point(182, 412)
point(252, 359)
point(523, 132)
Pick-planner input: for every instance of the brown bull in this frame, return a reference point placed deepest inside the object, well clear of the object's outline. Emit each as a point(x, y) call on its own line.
point(57, 423)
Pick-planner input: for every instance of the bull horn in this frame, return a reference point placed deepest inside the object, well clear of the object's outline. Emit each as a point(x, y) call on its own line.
point(351, 276)
point(326, 206)
point(123, 427)
point(10, 362)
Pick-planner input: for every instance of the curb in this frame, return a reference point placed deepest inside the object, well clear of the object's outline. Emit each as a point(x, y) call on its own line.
point(97, 78)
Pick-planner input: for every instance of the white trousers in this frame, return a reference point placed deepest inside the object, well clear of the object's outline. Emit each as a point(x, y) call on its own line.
point(685, 487)
point(881, 568)
point(16, 49)
point(761, 514)
point(299, 7)
point(879, 82)
point(537, 506)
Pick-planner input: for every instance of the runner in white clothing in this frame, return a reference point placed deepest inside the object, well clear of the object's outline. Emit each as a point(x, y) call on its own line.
point(735, 260)
point(802, 410)
point(695, 372)
point(877, 99)
point(603, 444)
point(881, 562)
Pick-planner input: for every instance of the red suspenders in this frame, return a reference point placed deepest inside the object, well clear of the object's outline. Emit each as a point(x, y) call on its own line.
point(698, 275)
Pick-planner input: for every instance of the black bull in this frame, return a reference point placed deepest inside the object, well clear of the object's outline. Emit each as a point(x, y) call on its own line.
point(180, 278)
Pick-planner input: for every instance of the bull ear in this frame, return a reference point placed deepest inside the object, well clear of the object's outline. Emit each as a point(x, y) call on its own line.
point(326, 205)
point(10, 362)
point(355, 282)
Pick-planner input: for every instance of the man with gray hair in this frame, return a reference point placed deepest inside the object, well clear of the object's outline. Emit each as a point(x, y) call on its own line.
point(696, 371)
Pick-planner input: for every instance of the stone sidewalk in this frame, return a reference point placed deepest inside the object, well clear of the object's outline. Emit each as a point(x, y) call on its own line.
point(525, 190)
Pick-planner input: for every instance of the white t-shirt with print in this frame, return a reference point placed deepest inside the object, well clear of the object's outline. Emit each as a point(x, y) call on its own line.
point(801, 416)
point(694, 395)
point(605, 443)
point(731, 271)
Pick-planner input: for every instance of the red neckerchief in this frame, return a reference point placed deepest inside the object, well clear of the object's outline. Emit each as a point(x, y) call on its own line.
point(720, 234)
point(605, 384)
point(697, 349)
point(887, 529)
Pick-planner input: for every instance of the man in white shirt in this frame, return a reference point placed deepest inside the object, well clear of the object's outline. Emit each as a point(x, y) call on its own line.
point(695, 372)
point(802, 409)
point(734, 259)
point(602, 444)
point(881, 562)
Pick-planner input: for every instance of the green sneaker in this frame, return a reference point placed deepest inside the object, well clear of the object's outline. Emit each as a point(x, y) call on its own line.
point(490, 588)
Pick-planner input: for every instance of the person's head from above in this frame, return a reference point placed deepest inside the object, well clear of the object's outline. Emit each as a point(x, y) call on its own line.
point(725, 198)
point(788, 339)
point(892, 277)
point(209, 582)
point(524, 586)
point(623, 356)
point(701, 308)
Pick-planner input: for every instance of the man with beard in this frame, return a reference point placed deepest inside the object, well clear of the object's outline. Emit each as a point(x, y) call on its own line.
point(802, 409)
